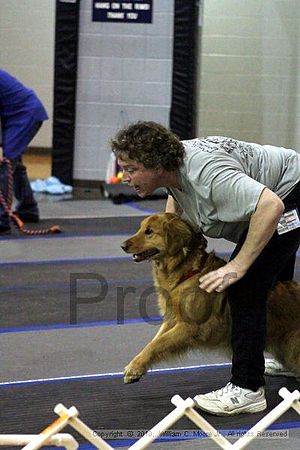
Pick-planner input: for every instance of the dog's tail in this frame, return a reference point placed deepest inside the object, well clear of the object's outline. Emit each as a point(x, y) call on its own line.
point(289, 351)
point(284, 324)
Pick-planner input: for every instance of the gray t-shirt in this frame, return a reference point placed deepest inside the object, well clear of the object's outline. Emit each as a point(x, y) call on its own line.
point(222, 180)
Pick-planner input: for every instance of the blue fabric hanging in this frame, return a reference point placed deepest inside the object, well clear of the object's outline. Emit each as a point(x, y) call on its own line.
point(20, 111)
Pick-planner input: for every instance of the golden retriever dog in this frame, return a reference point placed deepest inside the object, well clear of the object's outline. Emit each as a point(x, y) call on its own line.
point(193, 318)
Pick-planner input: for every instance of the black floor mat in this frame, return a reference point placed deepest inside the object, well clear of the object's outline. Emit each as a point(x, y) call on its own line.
point(83, 227)
point(122, 193)
point(79, 292)
point(95, 226)
point(108, 404)
point(58, 293)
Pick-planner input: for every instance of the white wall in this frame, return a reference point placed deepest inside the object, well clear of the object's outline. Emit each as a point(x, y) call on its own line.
point(27, 51)
point(250, 71)
point(124, 75)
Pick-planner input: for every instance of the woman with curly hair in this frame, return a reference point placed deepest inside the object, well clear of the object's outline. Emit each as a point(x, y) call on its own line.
point(246, 193)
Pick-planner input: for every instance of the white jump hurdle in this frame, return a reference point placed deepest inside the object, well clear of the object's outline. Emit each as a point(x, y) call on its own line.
point(58, 440)
point(183, 408)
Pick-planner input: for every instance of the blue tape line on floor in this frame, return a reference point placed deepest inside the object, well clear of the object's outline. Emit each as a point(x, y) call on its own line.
point(66, 261)
point(151, 319)
point(105, 258)
point(99, 376)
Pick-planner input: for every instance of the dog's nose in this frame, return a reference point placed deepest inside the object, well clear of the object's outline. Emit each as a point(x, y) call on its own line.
point(124, 246)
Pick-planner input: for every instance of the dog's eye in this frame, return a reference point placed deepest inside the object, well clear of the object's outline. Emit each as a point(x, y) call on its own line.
point(148, 231)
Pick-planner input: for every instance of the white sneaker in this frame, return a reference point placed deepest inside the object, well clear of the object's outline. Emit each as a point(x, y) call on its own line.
point(231, 400)
point(275, 369)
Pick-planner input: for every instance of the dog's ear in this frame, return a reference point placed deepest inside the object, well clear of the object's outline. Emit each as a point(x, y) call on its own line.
point(178, 234)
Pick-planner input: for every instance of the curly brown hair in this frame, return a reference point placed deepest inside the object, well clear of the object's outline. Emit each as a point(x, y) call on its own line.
point(151, 144)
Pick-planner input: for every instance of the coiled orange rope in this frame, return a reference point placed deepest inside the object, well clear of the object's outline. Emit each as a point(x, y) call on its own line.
point(7, 203)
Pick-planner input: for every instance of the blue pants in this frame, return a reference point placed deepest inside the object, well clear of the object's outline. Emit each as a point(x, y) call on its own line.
point(247, 300)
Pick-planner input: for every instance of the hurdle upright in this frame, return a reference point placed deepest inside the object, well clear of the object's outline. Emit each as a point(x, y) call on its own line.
point(58, 440)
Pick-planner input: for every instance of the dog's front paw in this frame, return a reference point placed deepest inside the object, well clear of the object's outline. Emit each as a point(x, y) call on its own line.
point(133, 372)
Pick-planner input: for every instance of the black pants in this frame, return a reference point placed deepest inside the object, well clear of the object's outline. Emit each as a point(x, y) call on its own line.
point(26, 203)
point(247, 300)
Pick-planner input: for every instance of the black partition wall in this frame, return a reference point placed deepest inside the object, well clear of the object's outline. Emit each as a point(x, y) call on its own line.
point(183, 102)
point(184, 79)
point(65, 76)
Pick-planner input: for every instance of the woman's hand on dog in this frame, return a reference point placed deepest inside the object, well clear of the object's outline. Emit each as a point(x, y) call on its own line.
point(221, 279)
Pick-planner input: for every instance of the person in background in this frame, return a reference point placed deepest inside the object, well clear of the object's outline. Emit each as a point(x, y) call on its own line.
point(246, 193)
point(21, 116)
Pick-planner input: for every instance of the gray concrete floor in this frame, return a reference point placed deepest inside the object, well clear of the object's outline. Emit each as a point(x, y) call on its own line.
point(42, 354)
